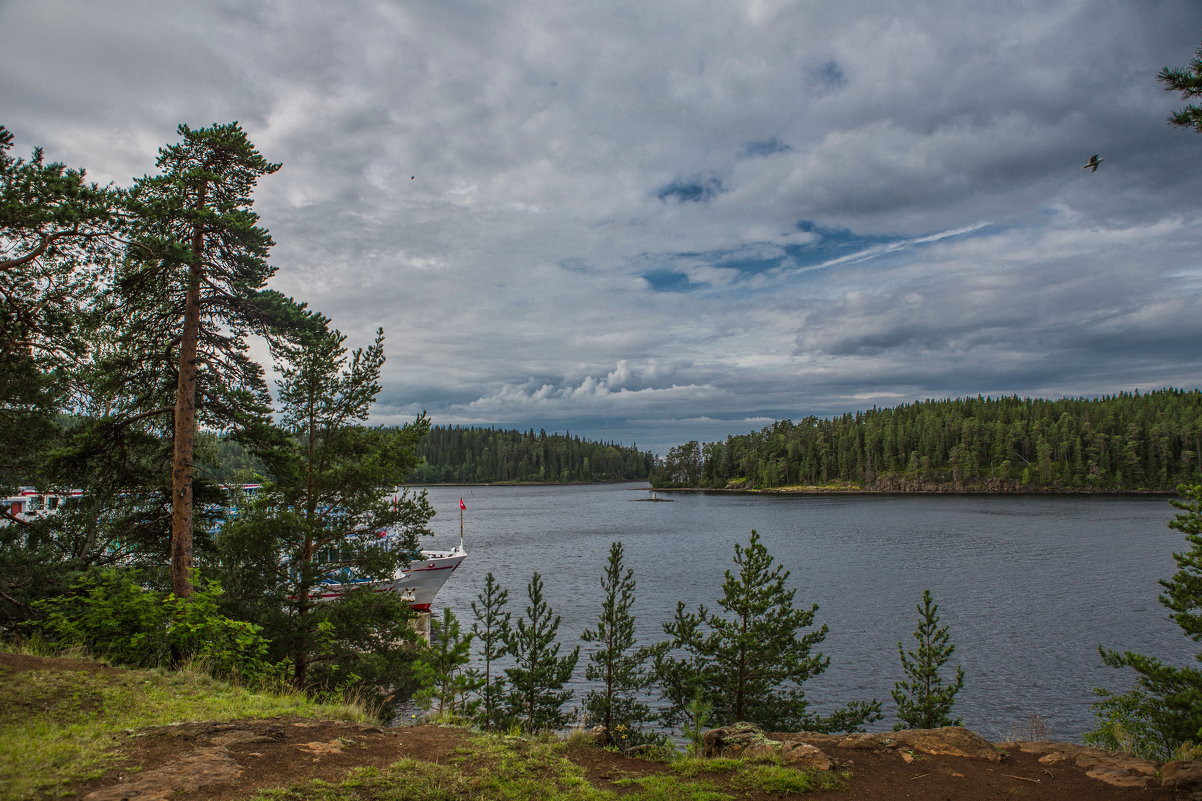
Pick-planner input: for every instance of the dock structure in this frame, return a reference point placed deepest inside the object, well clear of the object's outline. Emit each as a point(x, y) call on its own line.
point(421, 625)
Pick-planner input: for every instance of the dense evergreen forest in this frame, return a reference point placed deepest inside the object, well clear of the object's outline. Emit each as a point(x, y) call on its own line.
point(455, 455)
point(1126, 442)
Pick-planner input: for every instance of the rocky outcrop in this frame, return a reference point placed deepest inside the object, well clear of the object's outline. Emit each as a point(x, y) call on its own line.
point(1184, 777)
point(805, 749)
point(748, 741)
point(949, 740)
point(813, 750)
point(1112, 767)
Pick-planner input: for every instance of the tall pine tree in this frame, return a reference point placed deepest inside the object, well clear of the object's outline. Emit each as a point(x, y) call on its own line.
point(923, 700)
point(330, 514)
point(187, 300)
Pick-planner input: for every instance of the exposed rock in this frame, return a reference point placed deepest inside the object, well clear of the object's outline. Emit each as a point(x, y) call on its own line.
point(1112, 767)
point(1185, 777)
point(748, 741)
point(744, 740)
point(804, 755)
point(202, 768)
point(855, 742)
point(949, 741)
point(321, 749)
point(237, 737)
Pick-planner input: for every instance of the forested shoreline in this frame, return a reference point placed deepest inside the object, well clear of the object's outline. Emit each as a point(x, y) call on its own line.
point(464, 455)
point(1130, 442)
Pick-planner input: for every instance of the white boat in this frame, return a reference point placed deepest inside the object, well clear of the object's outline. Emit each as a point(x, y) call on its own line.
point(417, 584)
point(29, 504)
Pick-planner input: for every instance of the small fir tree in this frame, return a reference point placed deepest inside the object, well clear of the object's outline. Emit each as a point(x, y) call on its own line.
point(442, 670)
point(751, 664)
point(1163, 712)
point(617, 665)
point(491, 629)
point(923, 700)
point(536, 694)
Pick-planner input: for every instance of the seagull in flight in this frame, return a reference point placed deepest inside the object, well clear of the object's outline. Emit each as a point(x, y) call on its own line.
point(1093, 163)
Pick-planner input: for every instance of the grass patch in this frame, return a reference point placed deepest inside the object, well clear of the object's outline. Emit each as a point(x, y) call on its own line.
point(673, 788)
point(494, 768)
point(58, 727)
point(691, 766)
point(408, 779)
point(783, 780)
point(774, 778)
point(508, 767)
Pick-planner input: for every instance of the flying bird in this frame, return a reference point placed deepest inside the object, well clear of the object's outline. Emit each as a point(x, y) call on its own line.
point(1094, 161)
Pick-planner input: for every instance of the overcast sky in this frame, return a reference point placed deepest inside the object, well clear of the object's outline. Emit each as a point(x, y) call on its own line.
point(653, 222)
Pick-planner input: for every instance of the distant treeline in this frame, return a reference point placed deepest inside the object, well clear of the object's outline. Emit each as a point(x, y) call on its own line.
point(455, 455)
point(1124, 442)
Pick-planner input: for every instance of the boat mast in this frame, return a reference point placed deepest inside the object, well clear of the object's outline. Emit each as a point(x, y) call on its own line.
point(462, 507)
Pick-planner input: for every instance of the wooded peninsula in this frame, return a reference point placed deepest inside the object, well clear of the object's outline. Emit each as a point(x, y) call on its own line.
point(455, 455)
point(1130, 442)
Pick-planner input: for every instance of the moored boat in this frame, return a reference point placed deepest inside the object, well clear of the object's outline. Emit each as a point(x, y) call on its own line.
point(416, 584)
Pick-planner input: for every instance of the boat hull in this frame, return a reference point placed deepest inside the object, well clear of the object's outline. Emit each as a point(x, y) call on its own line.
point(416, 584)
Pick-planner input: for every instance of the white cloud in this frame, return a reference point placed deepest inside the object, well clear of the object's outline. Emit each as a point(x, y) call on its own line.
point(508, 270)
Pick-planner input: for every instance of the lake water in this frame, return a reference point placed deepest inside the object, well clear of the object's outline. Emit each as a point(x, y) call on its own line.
point(1030, 586)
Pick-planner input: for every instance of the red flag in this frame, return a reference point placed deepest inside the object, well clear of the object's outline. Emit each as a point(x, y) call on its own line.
point(461, 505)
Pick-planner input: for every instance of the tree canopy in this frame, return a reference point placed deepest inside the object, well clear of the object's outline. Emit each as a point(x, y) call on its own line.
point(458, 455)
point(1188, 82)
point(1130, 441)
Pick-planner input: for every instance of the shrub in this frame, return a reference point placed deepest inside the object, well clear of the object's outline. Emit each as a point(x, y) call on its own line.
point(111, 615)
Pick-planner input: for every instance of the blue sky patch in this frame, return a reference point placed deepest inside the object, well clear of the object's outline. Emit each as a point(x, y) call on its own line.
point(696, 191)
point(830, 76)
point(766, 147)
point(670, 281)
point(832, 243)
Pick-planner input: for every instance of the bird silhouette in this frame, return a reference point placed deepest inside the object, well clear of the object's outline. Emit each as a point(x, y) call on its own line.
point(1093, 163)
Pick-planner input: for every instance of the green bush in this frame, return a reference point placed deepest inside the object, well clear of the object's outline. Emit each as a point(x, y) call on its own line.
point(1127, 722)
point(111, 615)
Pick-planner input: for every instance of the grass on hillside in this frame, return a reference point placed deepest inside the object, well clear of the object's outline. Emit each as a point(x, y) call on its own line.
point(61, 726)
point(504, 768)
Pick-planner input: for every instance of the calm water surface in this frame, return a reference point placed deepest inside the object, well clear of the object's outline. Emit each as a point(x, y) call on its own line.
point(1030, 586)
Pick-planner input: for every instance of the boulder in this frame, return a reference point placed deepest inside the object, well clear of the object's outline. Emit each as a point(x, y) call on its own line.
point(948, 741)
point(804, 755)
point(745, 740)
point(748, 741)
point(1183, 776)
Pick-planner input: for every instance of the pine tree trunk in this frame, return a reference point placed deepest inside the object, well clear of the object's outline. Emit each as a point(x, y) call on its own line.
point(185, 422)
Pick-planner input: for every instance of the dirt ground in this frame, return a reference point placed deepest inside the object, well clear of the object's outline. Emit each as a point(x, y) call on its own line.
point(208, 761)
point(227, 761)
